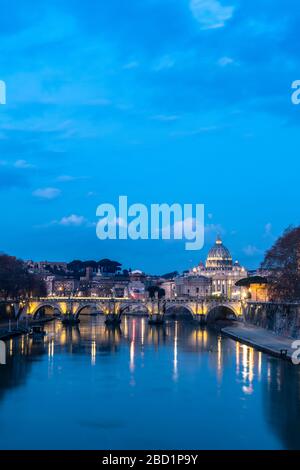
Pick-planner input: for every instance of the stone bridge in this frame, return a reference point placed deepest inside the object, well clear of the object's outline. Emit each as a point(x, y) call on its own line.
point(202, 310)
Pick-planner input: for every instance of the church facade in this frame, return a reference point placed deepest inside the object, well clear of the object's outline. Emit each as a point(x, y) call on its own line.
point(217, 277)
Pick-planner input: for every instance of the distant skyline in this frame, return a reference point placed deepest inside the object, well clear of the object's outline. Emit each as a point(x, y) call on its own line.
point(162, 101)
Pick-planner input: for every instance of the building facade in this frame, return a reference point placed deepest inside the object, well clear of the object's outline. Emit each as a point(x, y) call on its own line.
point(217, 277)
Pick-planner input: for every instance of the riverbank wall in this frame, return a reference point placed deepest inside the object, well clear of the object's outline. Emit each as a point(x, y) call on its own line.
point(283, 319)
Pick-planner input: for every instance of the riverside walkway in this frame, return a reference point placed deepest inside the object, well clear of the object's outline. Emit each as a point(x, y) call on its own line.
point(262, 339)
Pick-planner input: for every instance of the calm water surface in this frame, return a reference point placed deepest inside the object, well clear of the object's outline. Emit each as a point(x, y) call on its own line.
point(140, 386)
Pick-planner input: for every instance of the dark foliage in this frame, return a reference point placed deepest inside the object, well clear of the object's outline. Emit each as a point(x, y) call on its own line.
point(282, 262)
point(15, 281)
point(153, 290)
point(170, 275)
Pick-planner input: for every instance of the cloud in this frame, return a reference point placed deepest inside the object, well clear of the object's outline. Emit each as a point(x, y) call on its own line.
point(116, 221)
point(65, 178)
point(181, 229)
point(23, 164)
point(252, 250)
point(166, 62)
point(165, 118)
point(73, 221)
point(131, 65)
point(47, 193)
point(224, 61)
point(202, 130)
point(268, 230)
point(69, 178)
point(214, 229)
point(211, 14)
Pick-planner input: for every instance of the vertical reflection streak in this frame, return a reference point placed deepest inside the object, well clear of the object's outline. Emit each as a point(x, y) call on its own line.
point(219, 365)
point(248, 369)
point(93, 353)
point(132, 347)
point(143, 331)
point(237, 357)
point(175, 360)
point(50, 356)
point(259, 365)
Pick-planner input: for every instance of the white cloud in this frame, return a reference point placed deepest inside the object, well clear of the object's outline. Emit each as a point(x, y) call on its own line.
point(224, 61)
point(252, 250)
point(65, 178)
point(73, 221)
point(211, 14)
point(116, 221)
point(191, 133)
point(268, 230)
point(214, 230)
point(131, 65)
point(165, 118)
point(23, 164)
point(166, 62)
point(181, 229)
point(47, 193)
point(68, 178)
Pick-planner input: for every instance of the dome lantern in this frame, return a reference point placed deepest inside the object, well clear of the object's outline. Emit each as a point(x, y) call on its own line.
point(219, 257)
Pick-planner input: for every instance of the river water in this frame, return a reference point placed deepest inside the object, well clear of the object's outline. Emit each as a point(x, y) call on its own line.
point(145, 387)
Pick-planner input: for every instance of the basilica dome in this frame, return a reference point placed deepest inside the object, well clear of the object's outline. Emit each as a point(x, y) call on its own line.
point(219, 257)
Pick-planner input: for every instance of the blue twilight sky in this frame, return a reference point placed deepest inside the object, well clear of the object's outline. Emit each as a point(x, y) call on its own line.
point(184, 101)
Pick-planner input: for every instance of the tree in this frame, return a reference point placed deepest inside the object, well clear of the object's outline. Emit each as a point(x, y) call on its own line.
point(36, 286)
point(153, 290)
point(282, 262)
point(76, 266)
point(170, 275)
point(15, 281)
point(108, 266)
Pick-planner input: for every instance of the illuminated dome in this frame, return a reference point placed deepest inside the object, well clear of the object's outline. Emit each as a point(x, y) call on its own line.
point(219, 257)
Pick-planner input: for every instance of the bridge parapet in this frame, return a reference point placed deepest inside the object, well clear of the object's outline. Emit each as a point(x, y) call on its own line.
point(109, 306)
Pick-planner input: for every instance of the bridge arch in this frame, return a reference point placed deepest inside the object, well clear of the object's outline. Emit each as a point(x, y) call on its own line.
point(46, 305)
point(92, 305)
point(221, 312)
point(125, 307)
point(181, 310)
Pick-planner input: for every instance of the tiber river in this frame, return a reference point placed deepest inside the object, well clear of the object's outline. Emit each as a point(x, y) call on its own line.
point(145, 387)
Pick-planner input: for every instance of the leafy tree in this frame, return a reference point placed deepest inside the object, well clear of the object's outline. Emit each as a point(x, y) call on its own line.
point(282, 262)
point(109, 266)
point(170, 275)
point(90, 264)
point(15, 281)
point(75, 266)
point(153, 290)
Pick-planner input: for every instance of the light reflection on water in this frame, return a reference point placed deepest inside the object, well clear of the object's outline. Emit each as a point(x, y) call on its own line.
point(138, 386)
